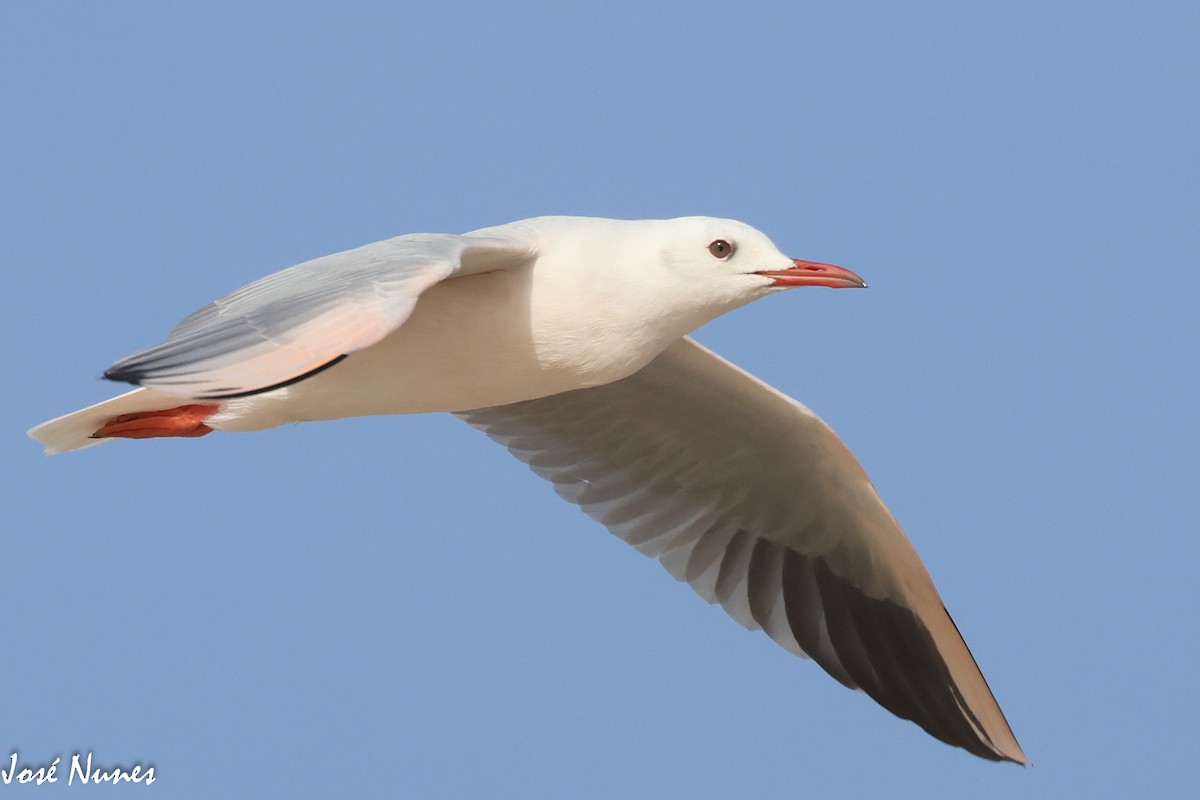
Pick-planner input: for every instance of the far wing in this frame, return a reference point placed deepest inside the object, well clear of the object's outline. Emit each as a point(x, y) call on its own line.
point(754, 501)
point(295, 323)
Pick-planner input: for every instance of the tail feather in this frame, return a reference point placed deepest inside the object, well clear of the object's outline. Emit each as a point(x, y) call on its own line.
point(73, 431)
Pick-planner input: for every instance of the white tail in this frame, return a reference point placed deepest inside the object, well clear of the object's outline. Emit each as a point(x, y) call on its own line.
point(73, 431)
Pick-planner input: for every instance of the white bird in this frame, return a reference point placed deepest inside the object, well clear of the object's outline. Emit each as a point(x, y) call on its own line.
point(564, 339)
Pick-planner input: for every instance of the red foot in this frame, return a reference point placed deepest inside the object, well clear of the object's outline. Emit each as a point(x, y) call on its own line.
point(181, 421)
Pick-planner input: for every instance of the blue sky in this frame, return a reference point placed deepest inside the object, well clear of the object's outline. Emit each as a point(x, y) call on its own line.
point(395, 607)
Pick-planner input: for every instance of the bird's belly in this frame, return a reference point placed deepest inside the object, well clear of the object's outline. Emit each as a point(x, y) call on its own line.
point(471, 342)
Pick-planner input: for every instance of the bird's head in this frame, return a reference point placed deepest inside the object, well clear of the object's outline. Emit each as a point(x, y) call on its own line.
point(673, 274)
point(715, 265)
point(734, 258)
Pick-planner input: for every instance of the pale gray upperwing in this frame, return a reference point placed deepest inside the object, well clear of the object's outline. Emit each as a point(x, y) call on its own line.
point(750, 498)
point(297, 322)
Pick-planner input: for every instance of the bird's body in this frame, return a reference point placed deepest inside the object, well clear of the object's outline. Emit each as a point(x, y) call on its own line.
point(564, 339)
point(493, 338)
point(469, 343)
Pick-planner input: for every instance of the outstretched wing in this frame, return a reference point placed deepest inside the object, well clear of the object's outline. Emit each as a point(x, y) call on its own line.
point(295, 323)
point(754, 501)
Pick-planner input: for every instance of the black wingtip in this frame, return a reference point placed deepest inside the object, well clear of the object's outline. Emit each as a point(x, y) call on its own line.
point(137, 377)
point(122, 376)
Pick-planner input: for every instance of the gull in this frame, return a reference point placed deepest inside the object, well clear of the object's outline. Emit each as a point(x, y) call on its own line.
point(565, 340)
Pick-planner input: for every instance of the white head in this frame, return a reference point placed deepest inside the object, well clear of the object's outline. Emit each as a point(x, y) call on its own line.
point(697, 267)
point(730, 261)
point(633, 286)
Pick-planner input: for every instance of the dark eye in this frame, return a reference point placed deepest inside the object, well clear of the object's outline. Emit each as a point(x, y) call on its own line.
point(721, 249)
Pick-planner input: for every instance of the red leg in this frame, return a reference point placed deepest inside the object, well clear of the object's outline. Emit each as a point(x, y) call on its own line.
point(181, 421)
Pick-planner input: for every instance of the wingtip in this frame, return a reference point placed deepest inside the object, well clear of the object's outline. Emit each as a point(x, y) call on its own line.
point(118, 375)
point(1018, 757)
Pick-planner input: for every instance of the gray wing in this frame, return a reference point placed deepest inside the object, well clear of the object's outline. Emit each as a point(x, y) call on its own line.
point(293, 324)
point(754, 501)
